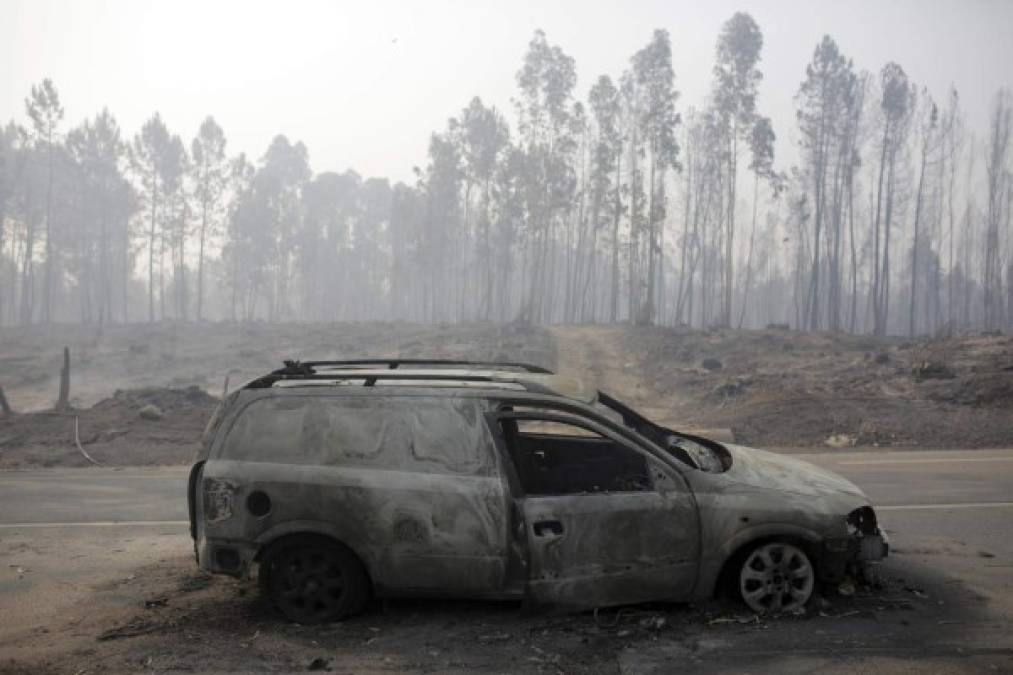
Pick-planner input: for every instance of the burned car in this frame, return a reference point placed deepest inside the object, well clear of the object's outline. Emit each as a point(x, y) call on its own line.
point(342, 480)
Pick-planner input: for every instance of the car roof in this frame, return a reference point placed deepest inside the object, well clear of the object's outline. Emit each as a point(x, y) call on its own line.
point(428, 374)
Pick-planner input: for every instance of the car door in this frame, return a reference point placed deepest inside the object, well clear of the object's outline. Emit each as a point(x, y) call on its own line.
point(604, 522)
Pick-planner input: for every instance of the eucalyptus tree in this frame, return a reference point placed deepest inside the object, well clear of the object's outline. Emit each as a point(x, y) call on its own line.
point(657, 121)
point(736, 78)
point(147, 153)
point(237, 250)
point(953, 138)
point(25, 213)
point(761, 147)
point(484, 137)
point(999, 194)
point(509, 192)
point(6, 183)
point(929, 148)
point(174, 228)
point(545, 121)
point(826, 102)
point(634, 189)
point(46, 112)
point(107, 204)
point(896, 106)
point(368, 292)
point(327, 261)
point(280, 180)
point(606, 161)
point(439, 227)
point(209, 177)
point(702, 213)
point(404, 215)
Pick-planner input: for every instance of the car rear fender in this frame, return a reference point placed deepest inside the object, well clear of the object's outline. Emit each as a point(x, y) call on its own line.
point(319, 527)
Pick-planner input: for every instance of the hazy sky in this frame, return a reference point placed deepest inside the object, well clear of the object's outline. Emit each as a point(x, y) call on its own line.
point(364, 83)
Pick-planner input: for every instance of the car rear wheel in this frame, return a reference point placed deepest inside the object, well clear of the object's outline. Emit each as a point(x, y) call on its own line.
point(315, 581)
point(776, 577)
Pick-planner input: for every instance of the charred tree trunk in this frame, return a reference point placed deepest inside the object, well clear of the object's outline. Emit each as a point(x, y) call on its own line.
point(63, 402)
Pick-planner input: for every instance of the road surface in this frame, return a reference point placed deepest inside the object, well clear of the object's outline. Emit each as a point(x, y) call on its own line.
point(949, 513)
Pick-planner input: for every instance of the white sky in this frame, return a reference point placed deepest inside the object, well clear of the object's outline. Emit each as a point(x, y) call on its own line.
point(364, 83)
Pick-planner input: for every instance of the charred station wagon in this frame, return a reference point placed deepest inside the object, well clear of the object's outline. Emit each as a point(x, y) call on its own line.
point(347, 479)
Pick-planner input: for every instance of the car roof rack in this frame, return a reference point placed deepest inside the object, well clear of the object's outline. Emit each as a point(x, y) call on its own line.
point(311, 367)
point(298, 372)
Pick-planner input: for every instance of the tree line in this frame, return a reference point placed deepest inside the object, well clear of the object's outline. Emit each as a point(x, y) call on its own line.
point(625, 206)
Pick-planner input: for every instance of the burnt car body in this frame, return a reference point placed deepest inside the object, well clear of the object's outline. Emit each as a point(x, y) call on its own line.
point(344, 479)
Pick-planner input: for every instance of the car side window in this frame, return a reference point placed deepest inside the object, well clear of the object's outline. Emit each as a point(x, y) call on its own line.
point(438, 435)
point(557, 457)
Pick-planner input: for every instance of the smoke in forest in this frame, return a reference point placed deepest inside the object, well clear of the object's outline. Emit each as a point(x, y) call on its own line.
point(623, 202)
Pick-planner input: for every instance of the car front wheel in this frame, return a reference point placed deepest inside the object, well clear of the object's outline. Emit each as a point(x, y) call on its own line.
point(776, 577)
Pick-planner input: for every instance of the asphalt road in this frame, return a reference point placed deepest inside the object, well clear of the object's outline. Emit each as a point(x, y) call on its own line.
point(900, 484)
point(949, 514)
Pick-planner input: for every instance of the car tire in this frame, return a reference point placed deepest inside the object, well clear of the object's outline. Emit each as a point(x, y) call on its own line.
point(314, 580)
point(775, 577)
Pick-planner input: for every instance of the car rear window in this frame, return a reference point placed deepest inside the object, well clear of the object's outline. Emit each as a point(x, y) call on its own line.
point(407, 433)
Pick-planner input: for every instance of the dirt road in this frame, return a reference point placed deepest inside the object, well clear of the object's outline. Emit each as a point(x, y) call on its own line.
point(600, 355)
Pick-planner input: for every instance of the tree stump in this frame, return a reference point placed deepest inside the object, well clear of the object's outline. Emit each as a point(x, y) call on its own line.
point(63, 403)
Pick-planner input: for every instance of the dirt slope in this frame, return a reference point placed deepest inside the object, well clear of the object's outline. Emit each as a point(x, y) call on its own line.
point(140, 393)
point(778, 388)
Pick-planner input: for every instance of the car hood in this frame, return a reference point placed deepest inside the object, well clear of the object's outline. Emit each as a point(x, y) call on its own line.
point(771, 471)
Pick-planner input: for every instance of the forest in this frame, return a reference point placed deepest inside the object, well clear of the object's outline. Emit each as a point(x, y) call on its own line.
point(628, 204)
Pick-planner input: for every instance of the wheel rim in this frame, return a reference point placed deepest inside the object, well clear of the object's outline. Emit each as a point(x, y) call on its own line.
point(776, 578)
point(308, 584)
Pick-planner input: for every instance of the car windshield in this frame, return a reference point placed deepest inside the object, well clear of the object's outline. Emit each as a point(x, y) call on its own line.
point(685, 449)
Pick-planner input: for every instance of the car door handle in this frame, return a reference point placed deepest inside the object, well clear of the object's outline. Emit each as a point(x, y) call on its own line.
point(548, 528)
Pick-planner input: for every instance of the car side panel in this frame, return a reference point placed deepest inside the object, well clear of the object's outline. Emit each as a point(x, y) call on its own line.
point(414, 531)
point(733, 514)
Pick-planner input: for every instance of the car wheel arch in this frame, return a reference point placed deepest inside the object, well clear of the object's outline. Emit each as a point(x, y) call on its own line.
point(730, 555)
point(300, 531)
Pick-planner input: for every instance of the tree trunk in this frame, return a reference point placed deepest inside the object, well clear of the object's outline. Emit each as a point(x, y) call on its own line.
point(47, 289)
point(914, 247)
point(200, 258)
point(151, 248)
point(616, 215)
point(749, 256)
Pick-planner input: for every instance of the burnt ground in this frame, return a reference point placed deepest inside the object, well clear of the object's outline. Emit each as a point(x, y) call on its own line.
point(770, 388)
point(165, 616)
point(140, 394)
point(782, 389)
